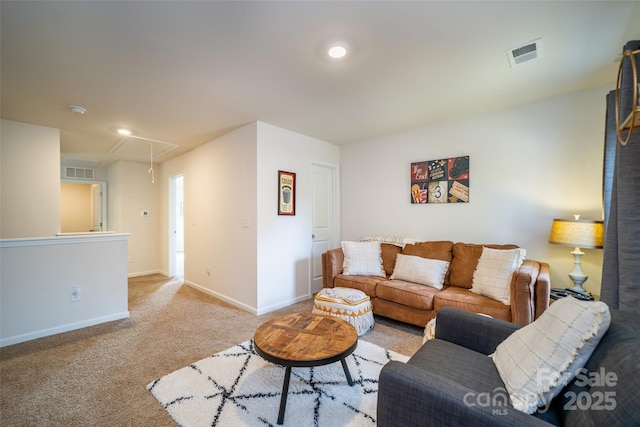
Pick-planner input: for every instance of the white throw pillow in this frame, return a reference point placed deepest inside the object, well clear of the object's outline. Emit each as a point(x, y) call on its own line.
point(538, 360)
point(492, 277)
point(424, 271)
point(362, 259)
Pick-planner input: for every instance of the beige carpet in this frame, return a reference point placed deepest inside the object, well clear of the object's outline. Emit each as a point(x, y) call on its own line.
point(97, 376)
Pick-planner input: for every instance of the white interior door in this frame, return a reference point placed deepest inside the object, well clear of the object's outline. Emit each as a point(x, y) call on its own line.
point(325, 227)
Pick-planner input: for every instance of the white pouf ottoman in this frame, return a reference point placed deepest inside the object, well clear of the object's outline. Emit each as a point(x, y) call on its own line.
point(348, 304)
point(429, 331)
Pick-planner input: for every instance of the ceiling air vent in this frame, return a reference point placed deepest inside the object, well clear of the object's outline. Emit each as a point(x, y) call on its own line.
point(78, 173)
point(524, 53)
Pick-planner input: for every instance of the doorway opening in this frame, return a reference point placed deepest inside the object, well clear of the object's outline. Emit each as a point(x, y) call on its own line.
point(83, 206)
point(176, 223)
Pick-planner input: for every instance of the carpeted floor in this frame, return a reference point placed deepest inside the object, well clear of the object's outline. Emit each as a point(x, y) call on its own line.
point(97, 376)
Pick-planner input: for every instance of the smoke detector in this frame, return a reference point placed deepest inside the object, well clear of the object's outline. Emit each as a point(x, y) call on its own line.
point(525, 52)
point(77, 109)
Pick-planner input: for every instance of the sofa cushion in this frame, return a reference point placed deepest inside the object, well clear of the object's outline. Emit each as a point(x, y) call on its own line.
point(435, 250)
point(459, 365)
point(407, 293)
point(493, 274)
point(366, 284)
point(424, 271)
point(466, 300)
point(464, 262)
point(538, 360)
point(389, 253)
point(401, 312)
point(362, 259)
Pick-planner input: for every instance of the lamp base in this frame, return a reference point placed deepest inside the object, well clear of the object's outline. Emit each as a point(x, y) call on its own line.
point(577, 276)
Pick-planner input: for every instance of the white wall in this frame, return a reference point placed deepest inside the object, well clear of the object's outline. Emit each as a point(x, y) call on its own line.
point(219, 192)
point(528, 165)
point(30, 180)
point(37, 276)
point(232, 181)
point(284, 242)
point(130, 192)
point(38, 269)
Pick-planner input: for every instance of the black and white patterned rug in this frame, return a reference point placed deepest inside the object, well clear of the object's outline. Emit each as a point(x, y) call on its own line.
point(237, 387)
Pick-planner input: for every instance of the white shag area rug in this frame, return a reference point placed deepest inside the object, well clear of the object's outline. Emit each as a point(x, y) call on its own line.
point(236, 387)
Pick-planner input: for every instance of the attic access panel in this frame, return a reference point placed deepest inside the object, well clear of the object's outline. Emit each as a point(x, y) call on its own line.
point(138, 148)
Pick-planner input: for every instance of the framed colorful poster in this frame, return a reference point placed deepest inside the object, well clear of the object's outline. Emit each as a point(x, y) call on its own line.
point(286, 193)
point(419, 182)
point(440, 181)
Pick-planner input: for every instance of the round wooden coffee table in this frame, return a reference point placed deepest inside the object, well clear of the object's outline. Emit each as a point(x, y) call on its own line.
point(305, 340)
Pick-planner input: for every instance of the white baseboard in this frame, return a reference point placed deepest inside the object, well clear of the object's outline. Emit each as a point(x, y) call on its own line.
point(283, 304)
point(244, 306)
point(63, 328)
point(224, 298)
point(145, 273)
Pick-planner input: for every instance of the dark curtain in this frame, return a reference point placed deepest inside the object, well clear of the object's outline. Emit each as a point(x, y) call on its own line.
point(621, 258)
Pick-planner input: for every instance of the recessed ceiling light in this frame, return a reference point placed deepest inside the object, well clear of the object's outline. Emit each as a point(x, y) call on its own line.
point(337, 51)
point(124, 131)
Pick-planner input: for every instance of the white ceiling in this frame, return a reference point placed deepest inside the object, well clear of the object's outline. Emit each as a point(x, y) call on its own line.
point(187, 72)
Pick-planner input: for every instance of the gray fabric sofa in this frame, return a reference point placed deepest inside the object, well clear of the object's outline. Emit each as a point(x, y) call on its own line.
point(450, 381)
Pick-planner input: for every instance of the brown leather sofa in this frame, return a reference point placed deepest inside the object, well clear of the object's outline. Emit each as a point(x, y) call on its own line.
point(417, 304)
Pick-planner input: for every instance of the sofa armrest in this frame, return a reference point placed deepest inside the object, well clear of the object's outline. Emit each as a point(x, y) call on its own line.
point(523, 291)
point(530, 289)
point(411, 396)
point(543, 289)
point(332, 262)
point(473, 331)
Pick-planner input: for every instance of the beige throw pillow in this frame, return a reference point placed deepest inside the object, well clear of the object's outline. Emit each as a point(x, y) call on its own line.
point(424, 271)
point(362, 259)
point(538, 360)
point(492, 277)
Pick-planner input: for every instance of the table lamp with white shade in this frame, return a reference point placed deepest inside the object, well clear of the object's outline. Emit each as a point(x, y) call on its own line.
point(579, 234)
